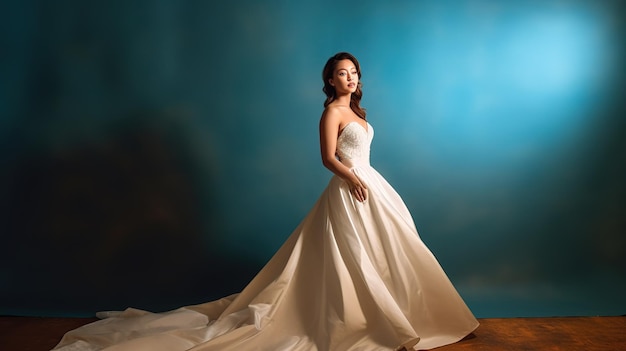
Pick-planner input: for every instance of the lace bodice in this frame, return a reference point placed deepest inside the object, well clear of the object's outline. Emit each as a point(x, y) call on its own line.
point(353, 144)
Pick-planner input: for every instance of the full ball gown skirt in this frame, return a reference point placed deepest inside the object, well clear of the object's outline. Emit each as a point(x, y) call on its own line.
point(351, 277)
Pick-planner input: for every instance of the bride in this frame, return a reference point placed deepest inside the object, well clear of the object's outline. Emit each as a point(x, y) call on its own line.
point(353, 276)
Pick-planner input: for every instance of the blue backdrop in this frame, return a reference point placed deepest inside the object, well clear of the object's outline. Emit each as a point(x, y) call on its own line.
point(156, 153)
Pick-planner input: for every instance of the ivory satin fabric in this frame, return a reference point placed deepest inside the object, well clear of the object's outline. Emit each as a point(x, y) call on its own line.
point(351, 277)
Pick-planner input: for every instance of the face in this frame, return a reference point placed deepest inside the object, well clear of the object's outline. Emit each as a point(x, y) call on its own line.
point(345, 77)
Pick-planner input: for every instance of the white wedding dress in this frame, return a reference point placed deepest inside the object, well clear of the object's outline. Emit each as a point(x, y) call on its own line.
point(352, 277)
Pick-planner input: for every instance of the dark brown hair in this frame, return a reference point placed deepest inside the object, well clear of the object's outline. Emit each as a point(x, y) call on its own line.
point(329, 90)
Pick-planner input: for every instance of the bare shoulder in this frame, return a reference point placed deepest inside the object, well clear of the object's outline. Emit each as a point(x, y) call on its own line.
point(332, 115)
point(338, 114)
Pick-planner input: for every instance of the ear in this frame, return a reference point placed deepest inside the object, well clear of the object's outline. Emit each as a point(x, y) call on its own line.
point(331, 82)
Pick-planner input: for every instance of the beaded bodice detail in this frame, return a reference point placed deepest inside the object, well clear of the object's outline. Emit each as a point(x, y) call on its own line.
point(353, 144)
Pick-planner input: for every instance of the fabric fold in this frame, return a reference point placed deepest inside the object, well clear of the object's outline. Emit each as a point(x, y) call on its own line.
point(353, 276)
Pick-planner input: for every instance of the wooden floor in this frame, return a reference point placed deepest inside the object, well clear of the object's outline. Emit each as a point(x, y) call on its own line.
point(494, 334)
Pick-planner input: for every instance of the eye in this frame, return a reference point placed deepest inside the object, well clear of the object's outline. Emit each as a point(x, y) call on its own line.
point(341, 74)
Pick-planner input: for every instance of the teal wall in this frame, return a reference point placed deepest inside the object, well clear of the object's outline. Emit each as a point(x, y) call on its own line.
point(156, 153)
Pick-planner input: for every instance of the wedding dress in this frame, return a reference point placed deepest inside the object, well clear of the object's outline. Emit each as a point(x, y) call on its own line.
point(353, 276)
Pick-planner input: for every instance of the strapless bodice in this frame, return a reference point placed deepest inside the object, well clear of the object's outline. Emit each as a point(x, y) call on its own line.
point(353, 144)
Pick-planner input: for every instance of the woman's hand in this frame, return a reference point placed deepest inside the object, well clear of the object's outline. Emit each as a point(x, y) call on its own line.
point(358, 189)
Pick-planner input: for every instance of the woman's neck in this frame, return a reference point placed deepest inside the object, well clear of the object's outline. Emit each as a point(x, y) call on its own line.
point(343, 100)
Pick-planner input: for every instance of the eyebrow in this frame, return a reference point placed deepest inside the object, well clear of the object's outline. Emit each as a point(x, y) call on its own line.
point(345, 69)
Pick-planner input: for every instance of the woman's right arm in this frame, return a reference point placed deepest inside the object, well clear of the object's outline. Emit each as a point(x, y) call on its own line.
point(330, 123)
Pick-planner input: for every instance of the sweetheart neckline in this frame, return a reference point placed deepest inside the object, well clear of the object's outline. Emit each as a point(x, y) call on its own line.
point(366, 128)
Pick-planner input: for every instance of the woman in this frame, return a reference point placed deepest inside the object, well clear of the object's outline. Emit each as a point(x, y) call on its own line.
point(353, 276)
